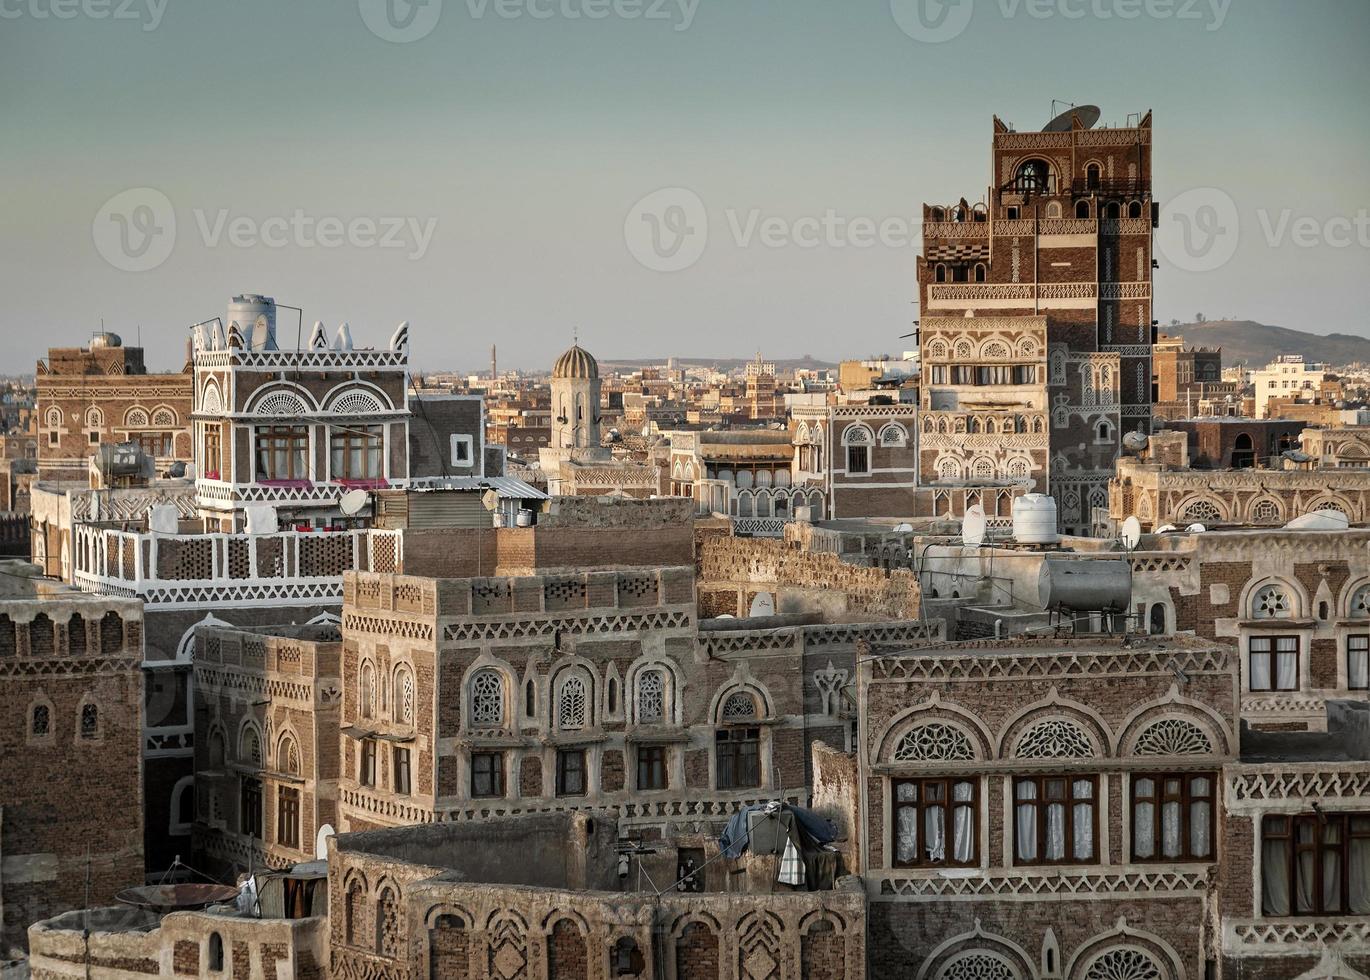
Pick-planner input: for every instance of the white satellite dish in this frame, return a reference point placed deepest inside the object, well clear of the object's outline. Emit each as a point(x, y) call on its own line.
point(1132, 533)
point(352, 502)
point(973, 526)
point(902, 528)
point(1164, 528)
point(1196, 529)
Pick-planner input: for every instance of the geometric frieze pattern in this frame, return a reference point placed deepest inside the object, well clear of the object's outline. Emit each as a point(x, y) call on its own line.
point(1044, 666)
point(68, 667)
point(1303, 935)
point(733, 644)
point(1316, 783)
point(380, 626)
point(1033, 885)
point(910, 631)
point(695, 816)
point(518, 629)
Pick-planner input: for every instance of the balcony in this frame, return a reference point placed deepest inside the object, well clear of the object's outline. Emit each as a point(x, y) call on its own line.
point(1111, 187)
point(215, 571)
point(1034, 296)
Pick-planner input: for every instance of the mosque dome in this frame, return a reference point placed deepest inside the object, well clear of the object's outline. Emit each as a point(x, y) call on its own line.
point(576, 363)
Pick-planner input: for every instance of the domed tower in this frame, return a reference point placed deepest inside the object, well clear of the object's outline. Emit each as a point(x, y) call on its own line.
point(575, 401)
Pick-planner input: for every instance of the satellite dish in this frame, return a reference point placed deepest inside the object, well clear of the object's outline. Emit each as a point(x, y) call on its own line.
point(902, 528)
point(1135, 441)
point(1132, 533)
point(1089, 115)
point(490, 499)
point(973, 526)
point(321, 842)
point(1165, 527)
point(352, 502)
point(1196, 529)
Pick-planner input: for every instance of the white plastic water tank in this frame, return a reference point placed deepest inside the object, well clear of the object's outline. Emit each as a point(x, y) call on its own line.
point(1034, 519)
point(256, 319)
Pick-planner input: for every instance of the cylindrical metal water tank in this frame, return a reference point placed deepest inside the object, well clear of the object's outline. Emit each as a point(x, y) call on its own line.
point(1085, 585)
point(1034, 519)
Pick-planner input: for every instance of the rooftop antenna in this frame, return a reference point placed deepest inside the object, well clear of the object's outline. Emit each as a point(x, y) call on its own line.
point(973, 526)
point(1063, 123)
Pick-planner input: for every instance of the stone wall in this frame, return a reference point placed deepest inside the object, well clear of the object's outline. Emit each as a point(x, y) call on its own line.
point(801, 581)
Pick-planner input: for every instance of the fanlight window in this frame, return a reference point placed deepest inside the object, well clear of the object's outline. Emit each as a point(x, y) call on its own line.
point(857, 435)
point(571, 703)
point(487, 698)
point(978, 966)
point(1123, 964)
point(948, 468)
point(983, 468)
point(893, 435)
point(357, 403)
point(283, 404)
point(651, 696)
point(1055, 739)
point(1265, 511)
point(994, 349)
point(1271, 602)
point(1173, 736)
point(1202, 510)
point(934, 742)
point(1019, 468)
point(739, 707)
point(252, 748)
point(164, 416)
point(135, 418)
point(54, 418)
point(1360, 602)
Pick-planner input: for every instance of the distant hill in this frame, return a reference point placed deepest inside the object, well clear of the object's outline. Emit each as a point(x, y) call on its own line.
point(723, 363)
point(1257, 344)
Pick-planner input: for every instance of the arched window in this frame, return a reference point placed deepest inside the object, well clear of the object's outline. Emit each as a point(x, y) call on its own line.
point(739, 706)
point(216, 750)
point(894, 435)
point(76, 635)
point(95, 418)
point(1114, 211)
point(404, 695)
point(250, 747)
point(1082, 209)
point(288, 756)
point(41, 636)
point(164, 416)
point(1201, 510)
point(651, 697)
point(979, 272)
point(90, 720)
point(982, 468)
point(1055, 739)
point(355, 912)
point(387, 924)
point(487, 699)
point(934, 741)
point(135, 418)
point(572, 701)
point(215, 955)
point(1173, 736)
point(1134, 209)
point(1157, 619)
point(1123, 963)
point(530, 699)
point(948, 468)
point(111, 632)
point(1033, 176)
point(940, 273)
point(1092, 176)
point(54, 418)
point(1105, 431)
point(367, 699)
point(1271, 602)
point(978, 965)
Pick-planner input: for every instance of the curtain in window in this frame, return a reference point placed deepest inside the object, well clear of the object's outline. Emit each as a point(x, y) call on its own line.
point(1358, 666)
point(935, 833)
point(1287, 663)
point(1084, 820)
point(906, 835)
point(1359, 899)
point(1304, 867)
point(1056, 832)
point(1171, 839)
point(1275, 877)
point(1260, 670)
point(1200, 819)
point(1025, 836)
point(963, 827)
point(1144, 821)
point(1331, 866)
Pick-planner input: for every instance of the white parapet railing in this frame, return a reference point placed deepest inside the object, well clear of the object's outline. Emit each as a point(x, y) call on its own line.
point(215, 571)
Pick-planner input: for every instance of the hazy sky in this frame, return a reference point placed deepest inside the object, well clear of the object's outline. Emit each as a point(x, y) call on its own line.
point(482, 180)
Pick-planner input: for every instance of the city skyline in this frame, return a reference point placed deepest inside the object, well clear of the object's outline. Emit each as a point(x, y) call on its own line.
point(506, 156)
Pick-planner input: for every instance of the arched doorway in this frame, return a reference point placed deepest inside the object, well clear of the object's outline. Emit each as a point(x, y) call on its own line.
point(1243, 452)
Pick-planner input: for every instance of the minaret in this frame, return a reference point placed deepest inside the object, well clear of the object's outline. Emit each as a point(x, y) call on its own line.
point(575, 400)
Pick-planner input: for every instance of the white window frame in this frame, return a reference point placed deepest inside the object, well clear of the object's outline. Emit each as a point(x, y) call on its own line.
point(457, 442)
